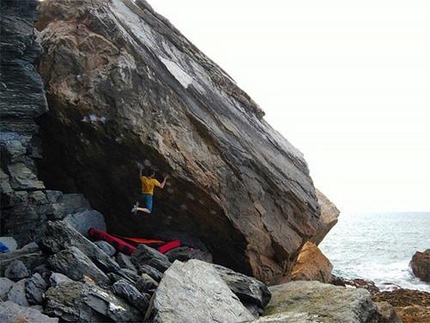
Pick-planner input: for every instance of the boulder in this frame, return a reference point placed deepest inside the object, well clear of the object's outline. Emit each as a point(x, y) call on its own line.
point(35, 289)
point(194, 292)
point(60, 235)
point(75, 264)
point(106, 247)
point(31, 257)
point(79, 302)
point(312, 265)
point(83, 221)
point(145, 255)
point(250, 291)
point(186, 253)
point(329, 218)
point(11, 312)
point(313, 301)
point(132, 295)
point(146, 284)
point(17, 271)
point(125, 262)
point(420, 265)
point(5, 285)
point(130, 88)
point(17, 293)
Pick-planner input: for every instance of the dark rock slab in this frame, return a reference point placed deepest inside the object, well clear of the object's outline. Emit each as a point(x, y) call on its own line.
point(35, 289)
point(60, 235)
point(132, 295)
point(146, 284)
point(250, 290)
point(150, 271)
point(75, 264)
point(145, 255)
point(78, 302)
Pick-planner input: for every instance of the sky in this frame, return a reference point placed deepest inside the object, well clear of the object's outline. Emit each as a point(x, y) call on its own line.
point(346, 82)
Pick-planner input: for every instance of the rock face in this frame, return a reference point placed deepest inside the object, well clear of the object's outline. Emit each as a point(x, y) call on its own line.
point(124, 86)
point(312, 265)
point(420, 265)
point(316, 302)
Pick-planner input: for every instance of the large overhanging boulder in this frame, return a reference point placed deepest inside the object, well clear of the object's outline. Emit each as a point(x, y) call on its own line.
point(124, 86)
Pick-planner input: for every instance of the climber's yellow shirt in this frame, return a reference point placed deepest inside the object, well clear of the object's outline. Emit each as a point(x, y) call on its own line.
point(148, 185)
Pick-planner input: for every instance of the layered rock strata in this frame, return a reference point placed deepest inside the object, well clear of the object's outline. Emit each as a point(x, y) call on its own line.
point(124, 86)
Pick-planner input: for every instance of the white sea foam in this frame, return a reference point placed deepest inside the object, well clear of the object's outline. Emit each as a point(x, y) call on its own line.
point(379, 247)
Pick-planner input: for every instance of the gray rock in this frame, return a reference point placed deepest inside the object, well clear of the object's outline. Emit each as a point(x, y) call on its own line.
point(17, 293)
point(22, 178)
point(85, 220)
point(146, 284)
point(35, 289)
point(132, 295)
point(31, 257)
point(75, 264)
point(125, 262)
point(106, 247)
point(320, 303)
point(57, 279)
point(194, 292)
point(150, 271)
point(78, 302)
point(17, 271)
point(5, 286)
point(11, 312)
point(145, 255)
point(60, 234)
point(249, 289)
point(9, 242)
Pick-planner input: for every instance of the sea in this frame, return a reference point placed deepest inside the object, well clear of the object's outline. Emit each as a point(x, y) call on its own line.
point(378, 247)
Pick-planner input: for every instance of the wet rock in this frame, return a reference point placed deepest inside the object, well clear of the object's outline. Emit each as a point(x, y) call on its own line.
point(85, 220)
point(11, 312)
point(145, 255)
point(420, 265)
point(78, 302)
point(312, 265)
point(75, 264)
point(321, 302)
point(35, 289)
point(194, 292)
point(132, 295)
point(249, 290)
point(17, 271)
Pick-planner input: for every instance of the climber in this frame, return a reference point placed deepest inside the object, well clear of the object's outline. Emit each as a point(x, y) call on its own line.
point(149, 182)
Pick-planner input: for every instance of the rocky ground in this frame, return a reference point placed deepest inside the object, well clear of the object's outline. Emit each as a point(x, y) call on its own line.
point(412, 306)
